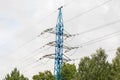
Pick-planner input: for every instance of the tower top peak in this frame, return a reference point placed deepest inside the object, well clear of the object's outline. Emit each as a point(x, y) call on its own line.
point(60, 7)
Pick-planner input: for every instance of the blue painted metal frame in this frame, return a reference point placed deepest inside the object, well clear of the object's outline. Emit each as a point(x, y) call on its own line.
point(59, 45)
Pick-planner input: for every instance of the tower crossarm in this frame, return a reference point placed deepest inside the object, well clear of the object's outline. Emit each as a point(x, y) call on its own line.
point(52, 31)
point(65, 47)
point(52, 56)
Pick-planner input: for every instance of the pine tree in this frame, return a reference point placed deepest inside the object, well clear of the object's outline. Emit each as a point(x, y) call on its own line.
point(15, 75)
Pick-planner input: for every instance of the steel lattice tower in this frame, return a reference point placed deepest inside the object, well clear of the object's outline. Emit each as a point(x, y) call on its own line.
point(59, 45)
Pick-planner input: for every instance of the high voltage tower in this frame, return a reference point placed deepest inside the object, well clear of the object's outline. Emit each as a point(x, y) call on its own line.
point(59, 45)
point(60, 48)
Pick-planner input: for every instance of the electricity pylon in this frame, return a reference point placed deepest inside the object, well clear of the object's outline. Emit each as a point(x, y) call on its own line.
point(59, 45)
point(59, 55)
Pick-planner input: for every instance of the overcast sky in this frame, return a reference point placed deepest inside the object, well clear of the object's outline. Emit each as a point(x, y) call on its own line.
point(22, 20)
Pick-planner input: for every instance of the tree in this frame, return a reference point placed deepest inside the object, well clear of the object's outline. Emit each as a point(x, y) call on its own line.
point(47, 75)
point(68, 71)
point(95, 67)
point(116, 66)
point(15, 75)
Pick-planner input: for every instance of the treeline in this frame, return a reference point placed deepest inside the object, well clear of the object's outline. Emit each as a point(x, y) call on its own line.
point(94, 67)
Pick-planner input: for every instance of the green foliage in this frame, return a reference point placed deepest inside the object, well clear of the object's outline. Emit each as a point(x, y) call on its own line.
point(94, 68)
point(116, 66)
point(15, 75)
point(47, 75)
point(68, 71)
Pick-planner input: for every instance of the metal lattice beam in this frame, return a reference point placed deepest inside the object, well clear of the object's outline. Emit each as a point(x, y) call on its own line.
point(59, 45)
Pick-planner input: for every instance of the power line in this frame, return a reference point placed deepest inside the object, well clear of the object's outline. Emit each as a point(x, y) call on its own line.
point(108, 36)
point(102, 26)
point(105, 51)
point(96, 28)
point(79, 59)
point(27, 65)
point(58, 48)
point(99, 27)
point(87, 11)
point(29, 56)
point(37, 35)
point(71, 18)
point(100, 38)
point(84, 13)
point(35, 66)
point(32, 26)
point(90, 30)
